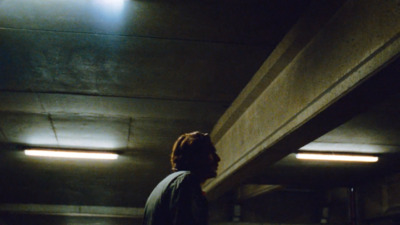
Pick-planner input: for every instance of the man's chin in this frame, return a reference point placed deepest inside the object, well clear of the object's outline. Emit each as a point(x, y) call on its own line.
point(212, 174)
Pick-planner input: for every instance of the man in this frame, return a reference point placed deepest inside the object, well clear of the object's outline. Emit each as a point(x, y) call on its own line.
point(178, 199)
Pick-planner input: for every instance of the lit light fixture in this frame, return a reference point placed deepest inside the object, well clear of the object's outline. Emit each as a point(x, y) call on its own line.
point(345, 147)
point(111, 6)
point(70, 154)
point(336, 157)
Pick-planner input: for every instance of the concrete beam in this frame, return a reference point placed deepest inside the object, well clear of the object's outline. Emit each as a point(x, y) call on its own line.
point(355, 43)
point(73, 210)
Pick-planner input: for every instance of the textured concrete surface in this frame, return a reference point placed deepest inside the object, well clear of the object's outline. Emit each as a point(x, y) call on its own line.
point(128, 78)
point(131, 79)
point(342, 54)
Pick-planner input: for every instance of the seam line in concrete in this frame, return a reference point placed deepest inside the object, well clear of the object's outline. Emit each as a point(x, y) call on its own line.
point(52, 127)
point(3, 134)
point(129, 132)
point(139, 36)
point(115, 96)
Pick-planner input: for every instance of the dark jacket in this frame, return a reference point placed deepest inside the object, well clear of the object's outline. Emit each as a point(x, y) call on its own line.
point(177, 200)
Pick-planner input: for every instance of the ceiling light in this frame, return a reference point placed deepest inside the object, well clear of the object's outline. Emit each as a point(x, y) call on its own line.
point(111, 6)
point(347, 147)
point(337, 157)
point(71, 154)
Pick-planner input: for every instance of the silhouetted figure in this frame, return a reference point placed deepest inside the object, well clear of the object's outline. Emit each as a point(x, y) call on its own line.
point(178, 199)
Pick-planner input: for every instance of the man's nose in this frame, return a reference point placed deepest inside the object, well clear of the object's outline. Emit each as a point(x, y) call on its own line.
point(217, 158)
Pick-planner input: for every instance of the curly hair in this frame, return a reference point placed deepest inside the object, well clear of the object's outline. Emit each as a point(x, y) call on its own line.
point(188, 148)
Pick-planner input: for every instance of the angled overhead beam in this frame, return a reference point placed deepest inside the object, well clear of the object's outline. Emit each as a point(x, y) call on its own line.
point(360, 39)
point(73, 210)
point(289, 47)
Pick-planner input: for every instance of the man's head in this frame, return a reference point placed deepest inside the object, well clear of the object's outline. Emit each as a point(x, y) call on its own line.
point(195, 152)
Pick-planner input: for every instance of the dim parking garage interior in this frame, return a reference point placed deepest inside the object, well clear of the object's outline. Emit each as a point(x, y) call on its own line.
point(289, 91)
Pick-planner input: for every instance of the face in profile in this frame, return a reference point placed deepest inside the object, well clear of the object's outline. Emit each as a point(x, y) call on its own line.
point(209, 162)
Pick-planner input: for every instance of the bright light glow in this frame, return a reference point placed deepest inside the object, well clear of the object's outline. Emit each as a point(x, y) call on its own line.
point(70, 154)
point(331, 157)
point(112, 6)
point(98, 140)
point(347, 147)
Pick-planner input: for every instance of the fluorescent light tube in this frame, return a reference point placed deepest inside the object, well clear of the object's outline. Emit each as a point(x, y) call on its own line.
point(337, 157)
point(70, 154)
point(346, 147)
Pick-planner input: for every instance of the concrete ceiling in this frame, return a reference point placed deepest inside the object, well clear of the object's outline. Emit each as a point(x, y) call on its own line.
point(131, 77)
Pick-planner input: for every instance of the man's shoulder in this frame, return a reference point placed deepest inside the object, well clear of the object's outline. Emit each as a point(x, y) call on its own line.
point(180, 176)
point(182, 179)
point(181, 173)
point(172, 180)
point(174, 177)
